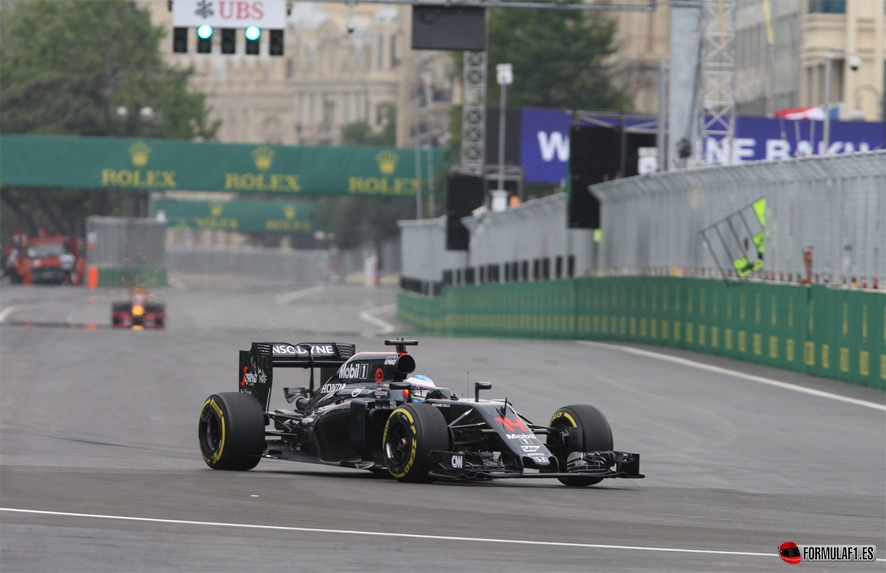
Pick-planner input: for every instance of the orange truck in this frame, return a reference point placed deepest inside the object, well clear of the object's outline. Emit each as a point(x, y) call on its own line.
point(48, 260)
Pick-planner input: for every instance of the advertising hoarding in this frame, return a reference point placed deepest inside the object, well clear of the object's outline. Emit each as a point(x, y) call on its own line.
point(544, 140)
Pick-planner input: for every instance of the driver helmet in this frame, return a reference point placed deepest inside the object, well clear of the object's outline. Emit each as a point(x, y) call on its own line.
point(421, 385)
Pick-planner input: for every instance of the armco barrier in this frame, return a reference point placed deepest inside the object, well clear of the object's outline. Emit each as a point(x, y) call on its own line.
point(828, 332)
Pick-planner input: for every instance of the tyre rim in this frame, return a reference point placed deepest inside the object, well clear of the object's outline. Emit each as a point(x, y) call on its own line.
point(397, 446)
point(211, 431)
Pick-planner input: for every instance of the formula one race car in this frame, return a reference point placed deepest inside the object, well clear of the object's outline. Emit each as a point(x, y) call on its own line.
point(138, 313)
point(371, 414)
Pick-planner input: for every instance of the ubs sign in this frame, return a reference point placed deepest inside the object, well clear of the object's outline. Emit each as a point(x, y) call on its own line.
point(267, 14)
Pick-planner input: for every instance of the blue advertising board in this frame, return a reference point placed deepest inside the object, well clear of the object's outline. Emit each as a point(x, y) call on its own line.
point(544, 140)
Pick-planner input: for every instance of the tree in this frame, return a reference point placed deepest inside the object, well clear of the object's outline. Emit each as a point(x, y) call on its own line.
point(358, 220)
point(558, 58)
point(66, 67)
point(360, 132)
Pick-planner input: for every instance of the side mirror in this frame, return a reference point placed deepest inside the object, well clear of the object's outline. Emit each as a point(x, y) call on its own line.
point(480, 386)
point(402, 386)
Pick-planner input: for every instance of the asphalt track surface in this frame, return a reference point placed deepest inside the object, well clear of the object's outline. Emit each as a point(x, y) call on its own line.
point(100, 468)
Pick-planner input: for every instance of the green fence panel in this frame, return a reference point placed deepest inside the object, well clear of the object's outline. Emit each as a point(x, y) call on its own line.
point(422, 311)
point(828, 332)
point(821, 323)
point(858, 337)
point(878, 344)
point(538, 310)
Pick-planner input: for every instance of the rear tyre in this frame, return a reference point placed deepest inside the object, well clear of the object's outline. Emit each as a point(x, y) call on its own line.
point(587, 431)
point(231, 431)
point(411, 433)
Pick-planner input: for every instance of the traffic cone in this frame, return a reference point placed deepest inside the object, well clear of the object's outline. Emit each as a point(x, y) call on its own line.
point(92, 276)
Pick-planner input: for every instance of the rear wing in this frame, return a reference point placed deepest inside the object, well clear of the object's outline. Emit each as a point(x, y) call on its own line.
point(256, 372)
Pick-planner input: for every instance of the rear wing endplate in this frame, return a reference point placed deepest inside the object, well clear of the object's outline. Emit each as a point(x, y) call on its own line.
point(257, 364)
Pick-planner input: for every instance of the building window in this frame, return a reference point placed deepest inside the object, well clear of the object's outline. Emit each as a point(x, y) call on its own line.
point(290, 68)
point(395, 61)
point(827, 6)
point(380, 60)
point(328, 115)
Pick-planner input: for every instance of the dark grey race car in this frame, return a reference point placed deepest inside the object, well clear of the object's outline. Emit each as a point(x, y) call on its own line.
point(369, 414)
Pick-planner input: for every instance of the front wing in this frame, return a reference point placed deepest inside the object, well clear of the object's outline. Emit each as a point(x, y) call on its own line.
point(482, 465)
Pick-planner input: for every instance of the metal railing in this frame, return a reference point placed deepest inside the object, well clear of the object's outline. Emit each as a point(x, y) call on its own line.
point(836, 205)
point(125, 242)
point(651, 225)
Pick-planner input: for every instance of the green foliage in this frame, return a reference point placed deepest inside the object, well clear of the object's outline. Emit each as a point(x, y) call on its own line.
point(358, 220)
point(67, 66)
point(361, 133)
point(558, 59)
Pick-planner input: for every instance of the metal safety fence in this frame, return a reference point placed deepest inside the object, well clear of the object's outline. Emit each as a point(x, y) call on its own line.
point(301, 265)
point(125, 242)
point(824, 220)
point(526, 243)
point(424, 255)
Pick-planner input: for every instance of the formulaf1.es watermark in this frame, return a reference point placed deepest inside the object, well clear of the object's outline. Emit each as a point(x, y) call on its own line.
point(795, 554)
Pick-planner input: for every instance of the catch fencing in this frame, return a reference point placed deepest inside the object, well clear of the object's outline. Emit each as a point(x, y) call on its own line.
point(298, 265)
point(833, 209)
point(526, 243)
point(279, 264)
point(424, 255)
point(127, 252)
point(122, 242)
point(836, 205)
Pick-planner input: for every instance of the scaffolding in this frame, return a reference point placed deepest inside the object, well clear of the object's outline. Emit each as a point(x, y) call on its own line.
point(474, 113)
point(717, 112)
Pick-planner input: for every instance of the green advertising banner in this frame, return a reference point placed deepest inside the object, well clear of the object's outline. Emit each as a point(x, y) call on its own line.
point(241, 215)
point(165, 164)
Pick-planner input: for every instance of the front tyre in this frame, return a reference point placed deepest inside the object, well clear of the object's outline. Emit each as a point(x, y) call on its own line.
point(231, 431)
point(586, 431)
point(411, 433)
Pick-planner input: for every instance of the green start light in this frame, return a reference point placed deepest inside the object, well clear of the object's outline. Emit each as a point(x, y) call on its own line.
point(252, 33)
point(204, 32)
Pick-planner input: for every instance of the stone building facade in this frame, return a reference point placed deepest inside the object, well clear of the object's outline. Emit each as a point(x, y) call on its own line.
point(339, 66)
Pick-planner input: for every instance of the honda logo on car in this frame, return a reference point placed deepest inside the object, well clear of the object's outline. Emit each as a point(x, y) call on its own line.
point(318, 350)
point(329, 388)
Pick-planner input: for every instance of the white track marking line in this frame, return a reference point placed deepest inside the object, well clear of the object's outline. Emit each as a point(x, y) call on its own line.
point(384, 327)
point(389, 534)
point(293, 296)
point(751, 377)
point(7, 311)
